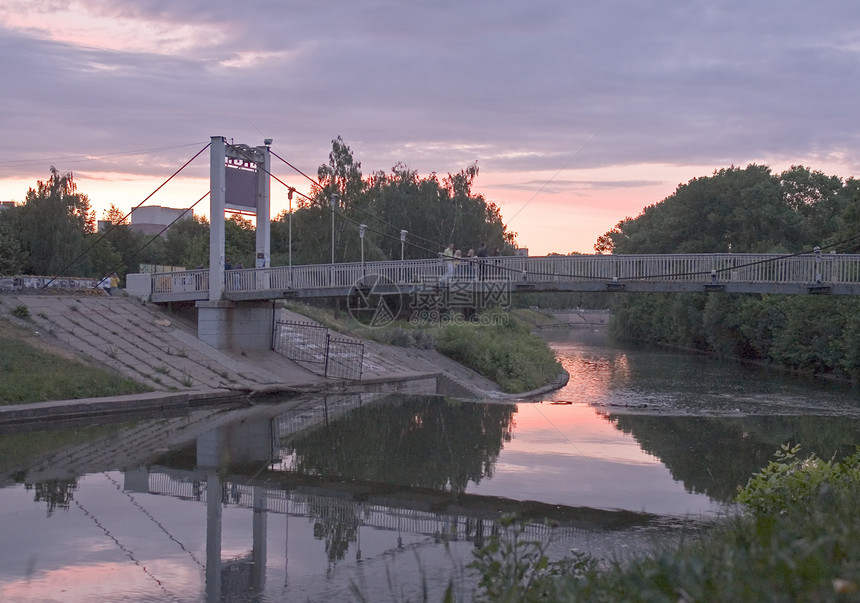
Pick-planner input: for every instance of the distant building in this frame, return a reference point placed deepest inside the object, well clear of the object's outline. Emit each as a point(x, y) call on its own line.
point(522, 252)
point(151, 220)
point(6, 205)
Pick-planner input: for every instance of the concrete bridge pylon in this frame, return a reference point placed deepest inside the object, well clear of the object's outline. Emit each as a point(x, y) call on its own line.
point(239, 179)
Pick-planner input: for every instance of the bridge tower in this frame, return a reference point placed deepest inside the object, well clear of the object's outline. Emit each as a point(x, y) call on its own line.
point(239, 180)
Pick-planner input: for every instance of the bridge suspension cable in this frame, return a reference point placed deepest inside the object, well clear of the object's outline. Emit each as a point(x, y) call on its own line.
point(314, 182)
point(113, 226)
point(342, 215)
point(160, 232)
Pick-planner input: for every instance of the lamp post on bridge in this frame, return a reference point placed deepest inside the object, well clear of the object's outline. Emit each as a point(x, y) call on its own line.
point(290, 239)
point(403, 234)
point(333, 202)
point(362, 230)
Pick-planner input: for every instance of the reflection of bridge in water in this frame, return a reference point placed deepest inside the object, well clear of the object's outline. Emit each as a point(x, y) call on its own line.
point(447, 517)
point(225, 462)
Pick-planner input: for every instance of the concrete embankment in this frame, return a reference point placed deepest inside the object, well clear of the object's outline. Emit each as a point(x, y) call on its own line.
point(161, 350)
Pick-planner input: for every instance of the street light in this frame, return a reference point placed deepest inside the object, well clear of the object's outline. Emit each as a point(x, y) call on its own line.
point(333, 201)
point(290, 245)
point(403, 234)
point(362, 229)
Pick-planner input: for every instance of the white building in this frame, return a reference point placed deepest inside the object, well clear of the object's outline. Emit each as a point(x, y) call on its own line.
point(152, 219)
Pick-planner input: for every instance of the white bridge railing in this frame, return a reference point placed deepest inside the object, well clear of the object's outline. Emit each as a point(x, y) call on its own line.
point(694, 268)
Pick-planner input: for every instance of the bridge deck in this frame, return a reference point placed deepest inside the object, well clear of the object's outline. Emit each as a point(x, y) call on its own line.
point(837, 274)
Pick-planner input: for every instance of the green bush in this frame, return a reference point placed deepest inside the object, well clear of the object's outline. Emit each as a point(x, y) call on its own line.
point(502, 349)
point(789, 483)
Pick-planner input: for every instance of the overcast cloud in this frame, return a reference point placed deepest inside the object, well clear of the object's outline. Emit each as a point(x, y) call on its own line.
point(524, 88)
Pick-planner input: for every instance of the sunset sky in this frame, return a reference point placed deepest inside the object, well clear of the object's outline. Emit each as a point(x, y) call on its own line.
point(578, 113)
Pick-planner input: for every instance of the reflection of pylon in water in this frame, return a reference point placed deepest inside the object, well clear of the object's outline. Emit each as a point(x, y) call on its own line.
point(382, 315)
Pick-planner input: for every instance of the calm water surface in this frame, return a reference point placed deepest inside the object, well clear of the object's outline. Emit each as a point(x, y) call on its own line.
point(317, 499)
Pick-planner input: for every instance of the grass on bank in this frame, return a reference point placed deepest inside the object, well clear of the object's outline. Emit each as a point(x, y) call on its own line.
point(795, 541)
point(29, 373)
point(497, 344)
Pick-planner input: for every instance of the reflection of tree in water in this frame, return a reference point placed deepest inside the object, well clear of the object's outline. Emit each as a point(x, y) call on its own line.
point(717, 455)
point(420, 442)
point(56, 493)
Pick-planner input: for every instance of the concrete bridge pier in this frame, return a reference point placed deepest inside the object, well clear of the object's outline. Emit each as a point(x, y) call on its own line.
point(245, 325)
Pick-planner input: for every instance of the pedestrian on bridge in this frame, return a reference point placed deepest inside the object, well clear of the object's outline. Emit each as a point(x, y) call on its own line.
point(448, 256)
point(481, 254)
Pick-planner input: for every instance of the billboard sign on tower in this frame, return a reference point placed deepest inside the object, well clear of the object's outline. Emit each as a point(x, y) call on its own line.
point(240, 180)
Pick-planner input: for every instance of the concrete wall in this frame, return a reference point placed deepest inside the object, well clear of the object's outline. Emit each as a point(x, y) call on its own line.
point(235, 325)
point(139, 286)
point(21, 283)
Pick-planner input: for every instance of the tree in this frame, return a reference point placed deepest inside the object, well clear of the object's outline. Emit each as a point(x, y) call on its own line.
point(846, 235)
point(52, 225)
point(747, 210)
point(434, 213)
point(11, 257)
point(816, 198)
point(186, 244)
point(240, 242)
point(114, 215)
point(132, 248)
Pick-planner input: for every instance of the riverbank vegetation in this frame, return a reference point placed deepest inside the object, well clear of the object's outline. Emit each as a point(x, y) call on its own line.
point(795, 540)
point(747, 210)
point(501, 348)
point(34, 374)
point(498, 344)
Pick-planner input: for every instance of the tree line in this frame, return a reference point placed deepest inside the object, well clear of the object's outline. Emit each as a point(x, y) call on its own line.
point(54, 230)
point(747, 210)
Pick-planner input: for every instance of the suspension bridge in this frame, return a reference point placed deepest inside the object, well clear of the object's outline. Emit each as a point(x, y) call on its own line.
point(800, 274)
point(234, 307)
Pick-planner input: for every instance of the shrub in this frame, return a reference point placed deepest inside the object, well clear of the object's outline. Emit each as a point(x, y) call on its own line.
point(502, 349)
point(789, 483)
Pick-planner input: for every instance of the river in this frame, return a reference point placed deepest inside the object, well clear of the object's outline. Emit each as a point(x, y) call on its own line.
point(386, 497)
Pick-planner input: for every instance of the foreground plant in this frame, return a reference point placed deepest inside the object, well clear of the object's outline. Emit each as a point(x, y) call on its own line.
point(796, 540)
point(513, 568)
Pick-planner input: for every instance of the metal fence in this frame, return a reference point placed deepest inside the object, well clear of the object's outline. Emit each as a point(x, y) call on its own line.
point(313, 346)
point(811, 268)
point(304, 342)
point(344, 358)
